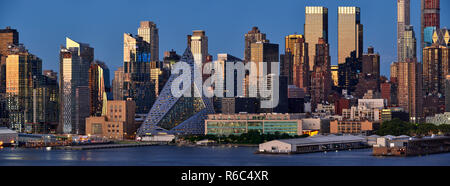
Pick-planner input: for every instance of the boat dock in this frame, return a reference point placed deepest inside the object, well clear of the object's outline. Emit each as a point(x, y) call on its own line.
point(312, 144)
point(412, 146)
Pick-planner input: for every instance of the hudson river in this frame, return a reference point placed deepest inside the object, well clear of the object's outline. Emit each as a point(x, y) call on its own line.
point(204, 156)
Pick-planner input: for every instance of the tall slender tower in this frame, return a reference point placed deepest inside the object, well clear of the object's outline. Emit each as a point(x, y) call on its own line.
point(75, 60)
point(316, 26)
point(409, 44)
point(321, 75)
point(403, 19)
point(117, 84)
point(430, 17)
point(149, 34)
point(410, 88)
point(350, 33)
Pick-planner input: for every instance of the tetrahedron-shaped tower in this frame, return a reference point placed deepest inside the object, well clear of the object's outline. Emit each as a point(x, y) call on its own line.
point(178, 115)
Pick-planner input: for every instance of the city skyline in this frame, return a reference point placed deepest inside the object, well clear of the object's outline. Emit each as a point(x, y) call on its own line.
point(226, 32)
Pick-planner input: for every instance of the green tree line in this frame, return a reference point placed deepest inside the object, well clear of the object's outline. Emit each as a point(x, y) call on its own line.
point(252, 137)
point(398, 127)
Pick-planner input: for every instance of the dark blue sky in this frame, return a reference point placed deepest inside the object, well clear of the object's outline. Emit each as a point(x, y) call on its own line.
point(43, 25)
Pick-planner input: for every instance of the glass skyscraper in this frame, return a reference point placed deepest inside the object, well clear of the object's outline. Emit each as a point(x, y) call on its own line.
point(75, 60)
point(350, 33)
point(316, 26)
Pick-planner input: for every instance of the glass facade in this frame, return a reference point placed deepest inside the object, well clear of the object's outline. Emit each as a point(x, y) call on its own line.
point(350, 33)
point(316, 26)
point(238, 127)
point(75, 60)
point(137, 65)
point(179, 115)
point(22, 71)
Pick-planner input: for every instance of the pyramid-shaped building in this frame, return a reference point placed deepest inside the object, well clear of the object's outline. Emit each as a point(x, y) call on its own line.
point(178, 115)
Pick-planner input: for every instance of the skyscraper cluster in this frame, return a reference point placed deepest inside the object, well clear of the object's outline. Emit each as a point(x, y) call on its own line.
point(418, 80)
point(84, 99)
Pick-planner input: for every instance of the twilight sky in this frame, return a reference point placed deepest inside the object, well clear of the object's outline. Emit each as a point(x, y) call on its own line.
point(43, 25)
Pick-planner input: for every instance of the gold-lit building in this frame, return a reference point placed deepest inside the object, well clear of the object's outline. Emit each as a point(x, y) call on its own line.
point(149, 33)
point(8, 36)
point(335, 75)
point(75, 60)
point(409, 74)
point(350, 33)
point(263, 52)
point(253, 36)
point(298, 48)
point(22, 71)
point(316, 26)
point(290, 41)
point(199, 46)
point(436, 60)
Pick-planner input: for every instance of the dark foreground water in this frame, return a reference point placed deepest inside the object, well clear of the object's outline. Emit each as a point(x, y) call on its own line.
point(202, 156)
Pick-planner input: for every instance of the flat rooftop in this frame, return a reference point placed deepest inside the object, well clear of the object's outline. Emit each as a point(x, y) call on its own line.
point(317, 140)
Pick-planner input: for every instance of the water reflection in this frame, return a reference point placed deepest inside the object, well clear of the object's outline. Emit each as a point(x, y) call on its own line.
point(172, 155)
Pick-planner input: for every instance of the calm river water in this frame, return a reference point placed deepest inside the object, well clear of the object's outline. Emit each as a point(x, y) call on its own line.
point(204, 156)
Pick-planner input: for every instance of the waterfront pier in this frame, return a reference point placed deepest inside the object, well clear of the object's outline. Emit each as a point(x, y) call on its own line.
point(412, 146)
point(312, 144)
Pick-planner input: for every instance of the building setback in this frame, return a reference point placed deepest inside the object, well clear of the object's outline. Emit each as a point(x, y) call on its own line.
point(252, 36)
point(371, 63)
point(149, 33)
point(403, 19)
point(262, 52)
point(8, 37)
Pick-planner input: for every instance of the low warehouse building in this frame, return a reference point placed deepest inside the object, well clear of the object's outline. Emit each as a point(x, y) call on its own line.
point(312, 144)
point(7, 136)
